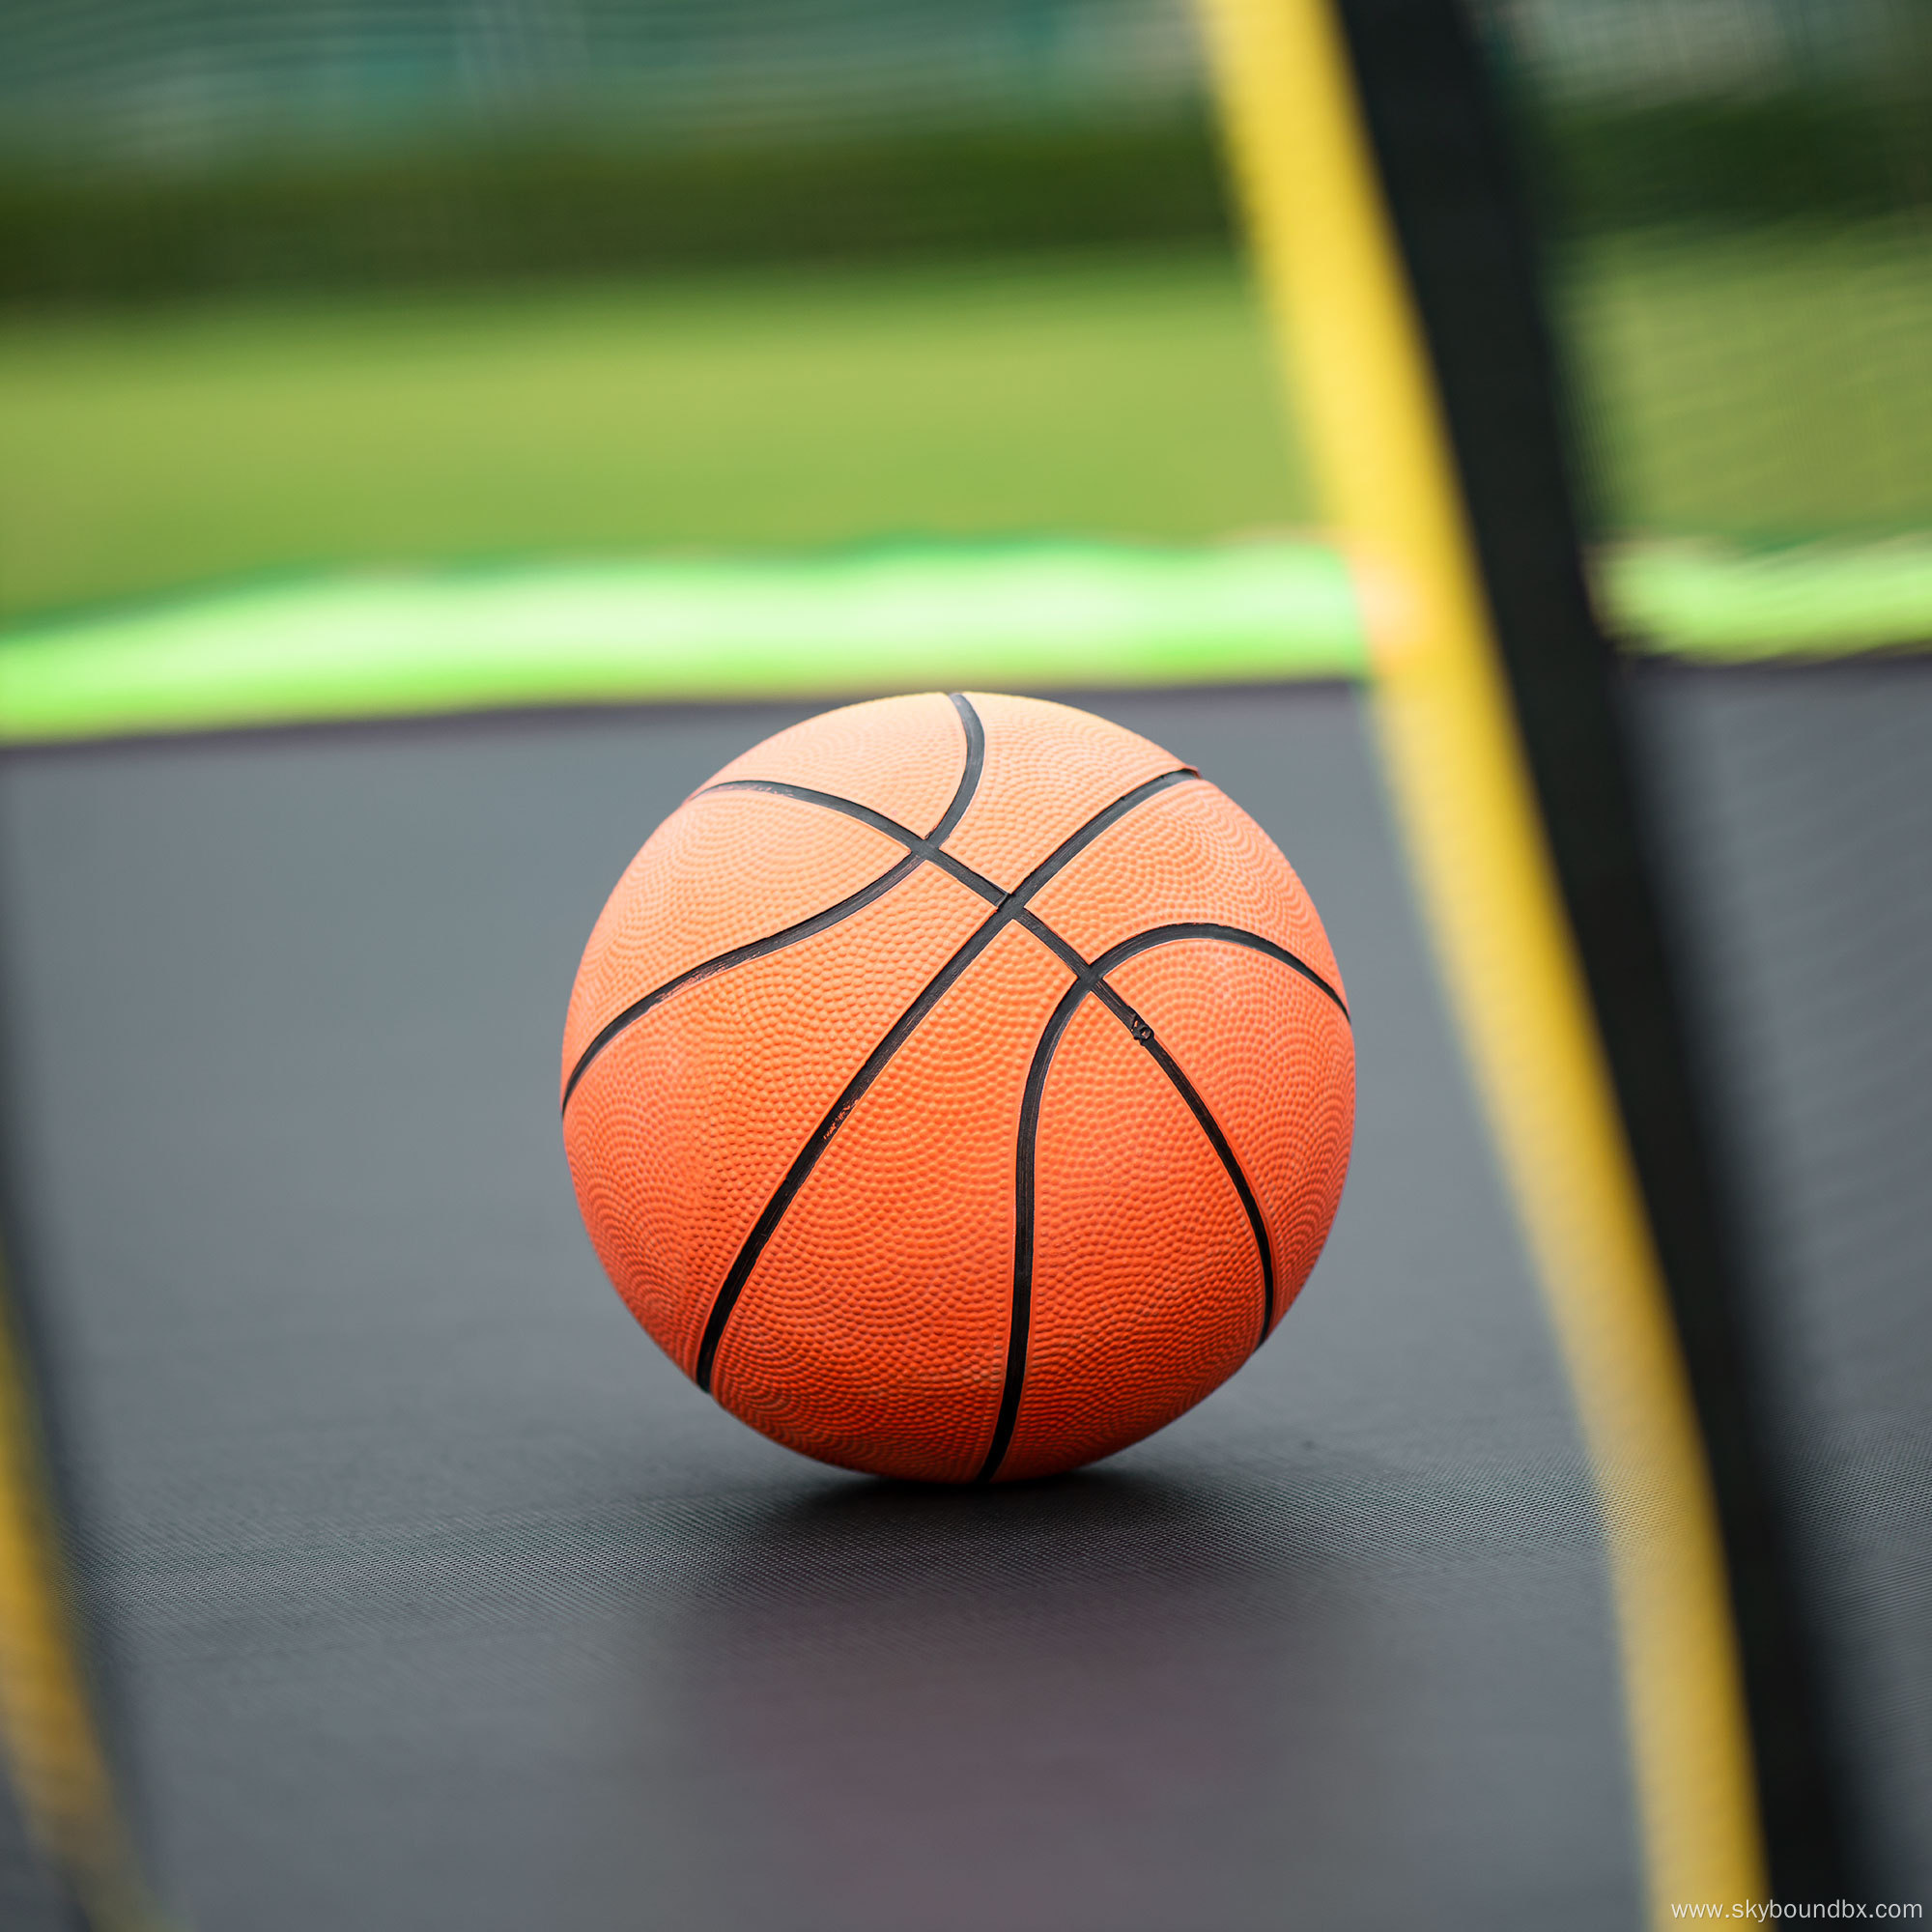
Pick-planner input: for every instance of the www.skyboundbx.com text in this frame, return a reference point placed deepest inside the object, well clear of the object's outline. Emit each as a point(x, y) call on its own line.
point(1766, 1911)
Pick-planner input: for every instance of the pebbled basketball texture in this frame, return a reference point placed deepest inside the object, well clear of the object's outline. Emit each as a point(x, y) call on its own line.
point(959, 1087)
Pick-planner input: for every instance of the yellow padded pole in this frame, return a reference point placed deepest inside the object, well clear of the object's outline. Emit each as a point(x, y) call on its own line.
point(46, 1724)
point(1357, 368)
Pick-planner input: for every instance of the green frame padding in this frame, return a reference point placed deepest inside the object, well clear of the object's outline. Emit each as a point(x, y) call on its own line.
point(1712, 605)
point(1046, 615)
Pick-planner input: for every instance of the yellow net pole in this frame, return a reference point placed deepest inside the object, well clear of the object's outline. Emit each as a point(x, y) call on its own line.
point(46, 1723)
point(1358, 367)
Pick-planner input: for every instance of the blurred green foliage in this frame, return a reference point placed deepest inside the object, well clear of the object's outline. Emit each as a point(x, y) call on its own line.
point(478, 213)
point(483, 210)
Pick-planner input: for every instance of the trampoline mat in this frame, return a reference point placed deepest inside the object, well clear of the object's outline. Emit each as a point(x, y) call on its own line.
point(438, 1598)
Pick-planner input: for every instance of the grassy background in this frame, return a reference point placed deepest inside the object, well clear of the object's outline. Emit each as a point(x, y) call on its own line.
point(737, 412)
point(1767, 387)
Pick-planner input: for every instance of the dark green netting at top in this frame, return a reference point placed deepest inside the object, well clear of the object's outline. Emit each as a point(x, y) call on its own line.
point(1736, 199)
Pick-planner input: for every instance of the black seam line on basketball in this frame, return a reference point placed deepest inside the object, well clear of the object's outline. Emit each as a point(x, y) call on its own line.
point(1211, 1127)
point(1235, 935)
point(1020, 1323)
point(976, 763)
point(755, 949)
point(1142, 1034)
point(1167, 935)
point(962, 796)
point(1088, 979)
point(989, 929)
point(926, 849)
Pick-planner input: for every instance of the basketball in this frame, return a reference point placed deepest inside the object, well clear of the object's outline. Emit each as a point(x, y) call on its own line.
point(959, 1087)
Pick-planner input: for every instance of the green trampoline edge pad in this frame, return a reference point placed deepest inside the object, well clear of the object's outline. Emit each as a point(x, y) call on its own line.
point(1014, 616)
point(1011, 617)
point(1707, 604)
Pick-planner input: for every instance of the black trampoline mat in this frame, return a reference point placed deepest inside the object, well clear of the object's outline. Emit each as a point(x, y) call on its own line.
point(438, 1598)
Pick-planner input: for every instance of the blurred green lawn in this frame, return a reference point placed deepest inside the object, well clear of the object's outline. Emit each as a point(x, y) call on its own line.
point(1763, 390)
point(1768, 388)
point(1112, 398)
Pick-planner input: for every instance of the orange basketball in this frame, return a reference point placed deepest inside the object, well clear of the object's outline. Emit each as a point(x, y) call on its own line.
point(959, 1087)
